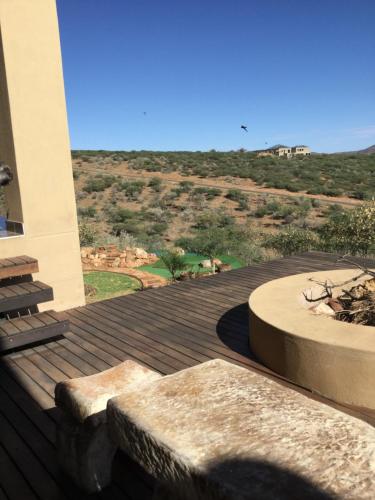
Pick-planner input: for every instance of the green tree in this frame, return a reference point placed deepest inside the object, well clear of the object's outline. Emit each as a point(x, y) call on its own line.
point(174, 262)
point(210, 243)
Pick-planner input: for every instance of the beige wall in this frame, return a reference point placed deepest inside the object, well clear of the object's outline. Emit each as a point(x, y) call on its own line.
point(34, 141)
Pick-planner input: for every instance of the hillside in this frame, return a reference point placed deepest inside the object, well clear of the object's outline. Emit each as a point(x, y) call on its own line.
point(162, 199)
point(368, 151)
point(333, 175)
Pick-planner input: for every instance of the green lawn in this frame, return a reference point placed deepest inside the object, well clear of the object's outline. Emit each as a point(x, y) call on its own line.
point(192, 261)
point(109, 284)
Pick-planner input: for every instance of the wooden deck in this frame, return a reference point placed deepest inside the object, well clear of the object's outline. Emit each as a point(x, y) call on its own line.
point(167, 329)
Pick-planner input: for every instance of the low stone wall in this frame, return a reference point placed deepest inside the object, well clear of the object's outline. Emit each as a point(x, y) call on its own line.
point(111, 257)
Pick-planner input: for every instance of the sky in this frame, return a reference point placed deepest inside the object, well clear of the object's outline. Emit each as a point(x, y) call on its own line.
point(186, 74)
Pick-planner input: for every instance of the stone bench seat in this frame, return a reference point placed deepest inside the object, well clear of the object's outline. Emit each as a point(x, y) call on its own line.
point(219, 431)
point(84, 449)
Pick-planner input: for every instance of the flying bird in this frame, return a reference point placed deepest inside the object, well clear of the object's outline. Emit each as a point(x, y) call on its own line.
point(244, 127)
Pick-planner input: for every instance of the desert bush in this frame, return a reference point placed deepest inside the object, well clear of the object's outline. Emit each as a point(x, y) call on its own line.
point(99, 183)
point(87, 234)
point(186, 186)
point(155, 183)
point(213, 218)
point(89, 212)
point(120, 215)
point(292, 240)
point(132, 189)
point(240, 197)
point(351, 231)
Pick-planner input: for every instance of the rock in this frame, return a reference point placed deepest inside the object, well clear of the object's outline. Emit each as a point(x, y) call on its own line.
point(222, 431)
point(323, 308)
point(140, 253)
point(84, 448)
point(116, 262)
point(217, 262)
point(206, 264)
point(224, 267)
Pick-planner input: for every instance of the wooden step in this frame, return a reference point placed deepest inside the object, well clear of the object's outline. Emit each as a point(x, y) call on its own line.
point(29, 329)
point(24, 295)
point(18, 266)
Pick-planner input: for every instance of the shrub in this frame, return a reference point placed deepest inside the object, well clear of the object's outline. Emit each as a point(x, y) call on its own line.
point(99, 183)
point(212, 219)
point(87, 211)
point(155, 183)
point(186, 186)
point(174, 262)
point(87, 234)
point(239, 196)
point(292, 240)
point(132, 189)
point(121, 215)
point(351, 231)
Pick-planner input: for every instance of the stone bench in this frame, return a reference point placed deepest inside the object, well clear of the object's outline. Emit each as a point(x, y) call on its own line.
point(219, 431)
point(84, 449)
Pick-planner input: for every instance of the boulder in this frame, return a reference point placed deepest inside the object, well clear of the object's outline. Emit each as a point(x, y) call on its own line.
point(206, 264)
point(116, 262)
point(140, 253)
point(224, 267)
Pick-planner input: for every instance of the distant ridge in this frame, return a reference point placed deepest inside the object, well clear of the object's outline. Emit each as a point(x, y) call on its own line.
point(368, 151)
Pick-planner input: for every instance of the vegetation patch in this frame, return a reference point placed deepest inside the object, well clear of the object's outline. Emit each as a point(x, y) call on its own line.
point(109, 285)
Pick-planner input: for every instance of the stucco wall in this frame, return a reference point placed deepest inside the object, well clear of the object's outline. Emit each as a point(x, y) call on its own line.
point(34, 141)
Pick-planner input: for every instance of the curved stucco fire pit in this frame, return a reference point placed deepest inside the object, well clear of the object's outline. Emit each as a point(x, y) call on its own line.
point(330, 357)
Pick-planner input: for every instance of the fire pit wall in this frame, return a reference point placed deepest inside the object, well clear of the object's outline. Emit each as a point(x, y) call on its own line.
point(330, 357)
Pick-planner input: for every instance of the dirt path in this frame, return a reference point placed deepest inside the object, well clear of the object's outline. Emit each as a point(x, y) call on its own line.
point(245, 185)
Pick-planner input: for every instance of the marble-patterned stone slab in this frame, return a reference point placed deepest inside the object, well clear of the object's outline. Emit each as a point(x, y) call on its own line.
point(219, 431)
point(87, 396)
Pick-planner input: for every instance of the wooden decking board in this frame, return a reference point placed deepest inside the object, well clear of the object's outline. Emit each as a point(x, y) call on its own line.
point(167, 317)
point(43, 451)
point(23, 400)
point(165, 329)
point(30, 329)
point(35, 474)
point(167, 325)
point(119, 348)
point(159, 342)
point(19, 266)
point(137, 345)
point(13, 482)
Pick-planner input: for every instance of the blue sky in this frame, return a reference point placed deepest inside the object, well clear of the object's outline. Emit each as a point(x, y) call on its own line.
point(186, 74)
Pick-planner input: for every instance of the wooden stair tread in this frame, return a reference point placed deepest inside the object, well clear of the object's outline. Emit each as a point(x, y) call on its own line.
point(29, 329)
point(24, 295)
point(18, 266)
